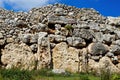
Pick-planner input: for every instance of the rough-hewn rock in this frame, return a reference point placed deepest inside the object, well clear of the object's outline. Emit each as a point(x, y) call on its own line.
point(104, 64)
point(60, 37)
point(43, 55)
point(114, 20)
point(60, 20)
point(65, 57)
point(97, 48)
point(19, 56)
point(58, 71)
point(76, 41)
point(83, 33)
point(115, 49)
point(1, 36)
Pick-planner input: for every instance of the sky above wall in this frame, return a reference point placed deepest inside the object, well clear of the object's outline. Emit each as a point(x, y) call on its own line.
point(105, 7)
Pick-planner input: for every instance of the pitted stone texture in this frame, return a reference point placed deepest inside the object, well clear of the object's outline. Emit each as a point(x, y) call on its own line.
point(115, 49)
point(18, 56)
point(83, 33)
point(104, 64)
point(114, 20)
point(97, 48)
point(76, 42)
point(43, 55)
point(65, 57)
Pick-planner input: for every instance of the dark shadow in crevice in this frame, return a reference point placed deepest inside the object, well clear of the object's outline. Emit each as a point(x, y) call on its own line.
point(51, 26)
point(51, 62)
point(1, 47)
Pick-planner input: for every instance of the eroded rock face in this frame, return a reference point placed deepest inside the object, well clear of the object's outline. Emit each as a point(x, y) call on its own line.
point(60, 37)
point(114, 20)
point(76, 41)
point(65, 57)
point(97, 48)
point(43, 55)
point(104, 64)
point(18, 55)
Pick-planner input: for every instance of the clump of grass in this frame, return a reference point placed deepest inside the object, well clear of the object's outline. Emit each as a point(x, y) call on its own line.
point(15, 74)
point(45, 74)
point(84, 76)
point(68, 27)
point(115, 77)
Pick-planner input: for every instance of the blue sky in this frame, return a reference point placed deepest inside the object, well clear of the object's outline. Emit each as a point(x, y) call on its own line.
point(105, 7)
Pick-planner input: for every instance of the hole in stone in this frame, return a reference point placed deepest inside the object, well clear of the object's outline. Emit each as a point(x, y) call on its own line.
point(112, 33)
point(108, 43)
point(63, 25)
point(51, 26)
point(1, 47)
point(88, 42)
point(51, 62)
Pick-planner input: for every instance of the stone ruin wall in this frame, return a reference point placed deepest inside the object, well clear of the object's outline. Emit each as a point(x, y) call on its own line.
point(59, 37)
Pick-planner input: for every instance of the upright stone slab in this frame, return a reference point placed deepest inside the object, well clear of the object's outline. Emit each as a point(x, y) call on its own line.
point(43, 55)
point(65, 57)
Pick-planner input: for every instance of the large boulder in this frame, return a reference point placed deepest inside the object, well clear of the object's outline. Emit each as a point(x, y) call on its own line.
point(43, 55)
point(76, 41)
point(1, 36)
point(115, 49)
point(65, 57)
point(18, 56)
point(83, 33)
point(57, 38)
point(97, 48)
point(98, 36)
point(104, 64)
point(60, 20)
point(107, 38)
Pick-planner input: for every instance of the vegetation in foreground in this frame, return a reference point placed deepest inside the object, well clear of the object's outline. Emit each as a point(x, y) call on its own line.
point(16, 74)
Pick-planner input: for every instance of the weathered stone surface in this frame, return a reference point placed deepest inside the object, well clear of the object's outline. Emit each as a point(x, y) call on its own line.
point(117, 42)
point(34, 38)
point(39, 27)
point(118, 58)
point(108, 38)
point(18, 56)
point(97, 48)
point(34, 47)
point(98, 36)
point(104, 64)
point(43, 55)
point(65, 58)
point(21, 23)
point(114, 20)
point(83, 57)
point(118, 65)
point(59, 12)
point(96, 58)
point(76, 41)
point(114, 60)
point(25, 38)
point(1, 36)
point(115, 49)
point(110, 54)
point(118, 34)
point(58, 71)
point(9, 40)
point(59, 36)
point(60, 20)
point(2, 41)
point(83, 33)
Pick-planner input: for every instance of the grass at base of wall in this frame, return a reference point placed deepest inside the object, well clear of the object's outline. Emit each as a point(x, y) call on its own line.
point(44, 74)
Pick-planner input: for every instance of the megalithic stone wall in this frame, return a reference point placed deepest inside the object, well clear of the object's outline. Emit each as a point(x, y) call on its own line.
point(60, 37)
